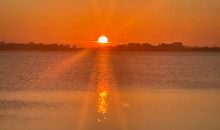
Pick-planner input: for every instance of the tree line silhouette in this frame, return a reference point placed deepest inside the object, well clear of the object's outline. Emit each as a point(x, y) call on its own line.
point(175, 46)
point(37, 46)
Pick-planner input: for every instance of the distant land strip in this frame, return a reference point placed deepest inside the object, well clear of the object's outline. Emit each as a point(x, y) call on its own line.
point(175, 46)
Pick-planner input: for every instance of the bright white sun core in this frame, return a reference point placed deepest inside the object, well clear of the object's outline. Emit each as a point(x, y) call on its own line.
point(103, 40)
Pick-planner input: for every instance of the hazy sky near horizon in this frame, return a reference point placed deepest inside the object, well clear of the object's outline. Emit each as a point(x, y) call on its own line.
point(194, 22)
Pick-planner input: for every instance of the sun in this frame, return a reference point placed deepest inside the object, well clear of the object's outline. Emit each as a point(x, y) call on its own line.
point(103, 39)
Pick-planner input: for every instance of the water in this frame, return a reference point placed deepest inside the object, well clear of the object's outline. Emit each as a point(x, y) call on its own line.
point(88, 90)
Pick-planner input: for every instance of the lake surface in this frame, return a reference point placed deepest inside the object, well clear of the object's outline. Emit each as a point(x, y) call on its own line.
point(88, 90)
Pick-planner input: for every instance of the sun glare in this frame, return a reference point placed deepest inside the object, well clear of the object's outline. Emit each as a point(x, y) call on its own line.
point(103, 40)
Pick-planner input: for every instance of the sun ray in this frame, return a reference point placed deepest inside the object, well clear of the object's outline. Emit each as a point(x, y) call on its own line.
point(117, 103)
point(87, 99)
point(96, 8)
point(109, 15)
point(154, 5)
point(59, 68)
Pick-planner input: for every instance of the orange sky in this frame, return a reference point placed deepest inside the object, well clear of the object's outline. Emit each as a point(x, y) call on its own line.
point(194, 22)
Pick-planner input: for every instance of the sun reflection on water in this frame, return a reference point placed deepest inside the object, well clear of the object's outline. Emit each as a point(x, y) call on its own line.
point(102, 102)
point(102, 105)
point(103, 87)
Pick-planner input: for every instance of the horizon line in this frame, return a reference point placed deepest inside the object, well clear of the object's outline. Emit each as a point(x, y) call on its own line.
point(107, 45)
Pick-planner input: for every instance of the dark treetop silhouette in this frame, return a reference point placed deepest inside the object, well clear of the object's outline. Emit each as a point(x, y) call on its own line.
point(175, 46)
point(37, 46)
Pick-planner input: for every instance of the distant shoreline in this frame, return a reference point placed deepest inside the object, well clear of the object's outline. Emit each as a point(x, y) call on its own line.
point(146, 47)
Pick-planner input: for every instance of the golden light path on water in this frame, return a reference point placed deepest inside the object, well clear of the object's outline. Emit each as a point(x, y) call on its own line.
point(103, 85)
point(107, 89)
point(107, 103)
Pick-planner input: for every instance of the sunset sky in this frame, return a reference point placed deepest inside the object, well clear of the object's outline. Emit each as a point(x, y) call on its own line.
point(194, 22)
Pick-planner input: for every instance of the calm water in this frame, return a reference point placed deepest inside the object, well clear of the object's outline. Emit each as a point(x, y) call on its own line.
point(109, 90)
